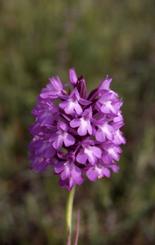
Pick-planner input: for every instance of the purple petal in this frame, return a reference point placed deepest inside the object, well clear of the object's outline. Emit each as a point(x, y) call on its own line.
point(66, 172)
point(113, 152)
point(75, 94)
point(58, 167)
point(106, 172)
point(82, 130)
point(76, 175)
point(82, 87)
point(69, 140)
point(119, 118)
point(81, 158)
point(107, 107)
point(84, 102)
point(63, 104)
point(72, 76)
point(69, 106)
point(104, 131)
point(75, 123)
point(62, 125)
point(105, 84)
point(78, 108)
point(53, 89)
point(97, 151)
point(91, 174)
point(118, 138)
point(115, 168)
point(100, 136)
point(90, 155)
point(89, 128)
point(58, 142)
point(56, 83)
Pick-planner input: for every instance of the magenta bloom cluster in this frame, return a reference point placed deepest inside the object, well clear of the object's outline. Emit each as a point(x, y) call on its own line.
point(76, 132)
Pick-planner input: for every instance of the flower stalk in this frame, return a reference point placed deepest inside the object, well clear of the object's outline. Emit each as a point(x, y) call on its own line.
point(69, 214)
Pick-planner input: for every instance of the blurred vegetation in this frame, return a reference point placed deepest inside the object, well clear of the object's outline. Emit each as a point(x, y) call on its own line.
point(46, 37)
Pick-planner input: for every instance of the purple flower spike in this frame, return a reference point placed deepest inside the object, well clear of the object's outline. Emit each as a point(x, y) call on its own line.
point(76, 133)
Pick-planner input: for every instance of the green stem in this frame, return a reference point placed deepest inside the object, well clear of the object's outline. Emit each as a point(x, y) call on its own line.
point(69, 211)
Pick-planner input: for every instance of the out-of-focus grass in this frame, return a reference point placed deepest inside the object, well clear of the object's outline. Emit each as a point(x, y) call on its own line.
point(42, 38)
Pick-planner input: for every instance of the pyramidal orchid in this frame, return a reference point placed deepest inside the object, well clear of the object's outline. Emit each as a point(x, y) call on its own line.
point(77, 133)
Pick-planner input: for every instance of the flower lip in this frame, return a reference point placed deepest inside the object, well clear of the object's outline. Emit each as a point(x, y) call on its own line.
point(109, 103)
point(71, 105)
point(83, 123)
point(62, 137)
point(104, 131)
point(89, 154)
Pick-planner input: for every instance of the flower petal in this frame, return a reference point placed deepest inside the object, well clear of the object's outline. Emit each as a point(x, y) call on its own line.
point(78, 108)
point(76, 175)
point(97, 151)
point(72, 76)
point(58, 142)
point(82, 130)
point(75, 123)
point(81, 158)
point(106, 172)
point(53, 89)
point(69, 140)
point(91, 174)
point(105, 84)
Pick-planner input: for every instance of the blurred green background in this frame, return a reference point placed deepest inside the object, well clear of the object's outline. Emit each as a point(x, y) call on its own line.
point(43, 38)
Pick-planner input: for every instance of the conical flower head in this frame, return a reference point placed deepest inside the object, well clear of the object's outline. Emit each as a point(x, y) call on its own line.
point(77, 133)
